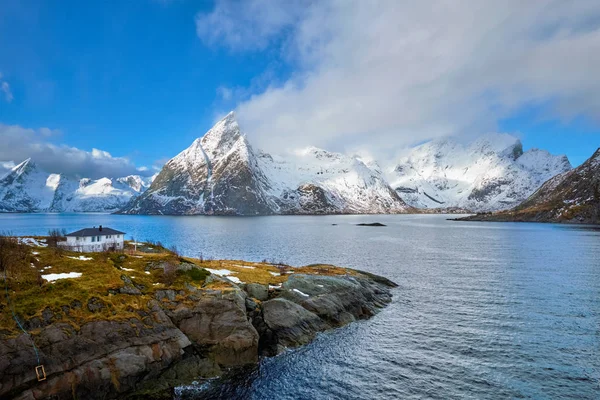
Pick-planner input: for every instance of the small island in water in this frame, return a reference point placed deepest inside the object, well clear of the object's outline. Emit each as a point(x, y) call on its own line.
point(138, 322)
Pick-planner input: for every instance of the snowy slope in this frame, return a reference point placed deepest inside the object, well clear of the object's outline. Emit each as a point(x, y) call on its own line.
point(492, 173)
point(27, 188)
point(221, 173)
point(349, 186)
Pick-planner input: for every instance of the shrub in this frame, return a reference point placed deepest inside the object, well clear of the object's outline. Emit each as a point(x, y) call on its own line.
point(169, 273)
point(197, 274)
point(13, 253)
point(55, 236)
point(173, 249)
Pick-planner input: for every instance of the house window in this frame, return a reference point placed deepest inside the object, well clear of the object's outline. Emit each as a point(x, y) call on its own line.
point(93, 238)
point(98, 238)
point(108, 236)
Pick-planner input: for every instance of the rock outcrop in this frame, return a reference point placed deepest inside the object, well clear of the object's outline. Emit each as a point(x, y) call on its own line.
point(184, 335)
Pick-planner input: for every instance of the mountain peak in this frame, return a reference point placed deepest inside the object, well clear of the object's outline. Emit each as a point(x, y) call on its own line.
point(24, 167)
point(221, 137)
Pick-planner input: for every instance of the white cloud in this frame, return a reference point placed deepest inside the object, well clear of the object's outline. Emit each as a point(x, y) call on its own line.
point(18, 143)
point(247, 24)
point(390, 73)
point(5, 87)
point(224, 93)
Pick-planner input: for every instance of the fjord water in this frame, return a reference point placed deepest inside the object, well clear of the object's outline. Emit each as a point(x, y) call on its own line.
point(483, 310)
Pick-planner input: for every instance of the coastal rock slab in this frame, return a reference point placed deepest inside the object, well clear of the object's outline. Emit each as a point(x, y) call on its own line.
point(291, 324)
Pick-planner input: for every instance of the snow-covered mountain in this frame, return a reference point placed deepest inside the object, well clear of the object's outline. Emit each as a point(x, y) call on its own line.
point(492, 173)
point(221, 173)
point(27, 188)
point(573, 197)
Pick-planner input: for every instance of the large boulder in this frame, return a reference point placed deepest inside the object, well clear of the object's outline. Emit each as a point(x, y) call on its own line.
point(218, 325)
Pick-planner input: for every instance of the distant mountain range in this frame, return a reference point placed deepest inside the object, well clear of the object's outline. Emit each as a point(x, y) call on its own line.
point(221, 173)
point(27, 188)
point(573, 197)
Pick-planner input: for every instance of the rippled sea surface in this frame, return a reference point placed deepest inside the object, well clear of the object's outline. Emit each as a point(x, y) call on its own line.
point(483, 310)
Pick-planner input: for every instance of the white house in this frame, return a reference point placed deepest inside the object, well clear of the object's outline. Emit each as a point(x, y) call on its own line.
point(94, 240)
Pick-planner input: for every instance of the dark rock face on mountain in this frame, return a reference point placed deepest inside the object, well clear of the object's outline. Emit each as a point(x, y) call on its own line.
point(185, 335)
point(571, 197)
point(221, 173)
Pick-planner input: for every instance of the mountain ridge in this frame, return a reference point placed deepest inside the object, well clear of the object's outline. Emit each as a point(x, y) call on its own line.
point(221, 173)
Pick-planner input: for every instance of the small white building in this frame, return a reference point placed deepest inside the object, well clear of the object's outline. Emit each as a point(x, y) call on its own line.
point(94, 240)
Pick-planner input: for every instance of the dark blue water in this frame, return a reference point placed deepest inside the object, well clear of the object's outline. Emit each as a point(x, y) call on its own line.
point(484, 310)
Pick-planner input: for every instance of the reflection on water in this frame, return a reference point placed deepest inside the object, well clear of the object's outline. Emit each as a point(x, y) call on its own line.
point(484, 310)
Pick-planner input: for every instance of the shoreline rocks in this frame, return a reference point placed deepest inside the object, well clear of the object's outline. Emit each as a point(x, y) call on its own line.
point(184, 336)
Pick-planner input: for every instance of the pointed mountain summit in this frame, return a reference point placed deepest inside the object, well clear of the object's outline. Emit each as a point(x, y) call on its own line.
point(217, 174)
point(572, 196)
point(221, 173)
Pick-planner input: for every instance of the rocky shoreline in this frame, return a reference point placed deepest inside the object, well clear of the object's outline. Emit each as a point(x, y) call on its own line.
point(182, 335)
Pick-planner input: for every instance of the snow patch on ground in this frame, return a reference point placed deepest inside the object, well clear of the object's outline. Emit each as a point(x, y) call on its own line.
point(301, 293)
point(82, 258)
point(234, 279)
point(128, 269)
point(33, 242)
point(55, 277)
point(275, 273)
point(219, 272)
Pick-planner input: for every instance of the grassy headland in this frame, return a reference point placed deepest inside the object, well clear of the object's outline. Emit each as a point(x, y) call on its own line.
point(117, 285)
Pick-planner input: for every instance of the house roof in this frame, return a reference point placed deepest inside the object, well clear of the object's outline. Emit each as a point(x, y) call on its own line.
point(95, 232)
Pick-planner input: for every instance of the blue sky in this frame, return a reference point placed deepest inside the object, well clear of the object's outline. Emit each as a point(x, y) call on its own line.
point(142, 79)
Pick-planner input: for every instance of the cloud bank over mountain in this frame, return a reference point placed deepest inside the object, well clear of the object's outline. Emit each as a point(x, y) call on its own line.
point(18, 143)
point(388, 73)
